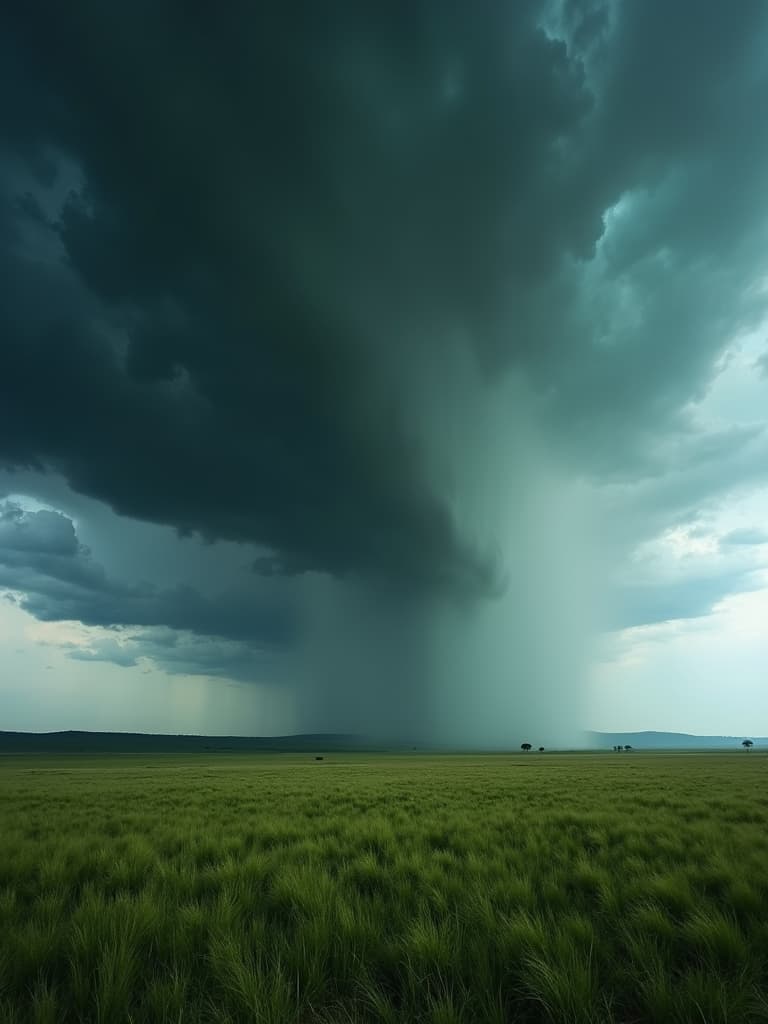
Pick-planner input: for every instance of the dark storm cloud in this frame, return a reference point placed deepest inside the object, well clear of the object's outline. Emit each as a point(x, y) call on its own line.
point(280, 210)
point(249, 182)
point(58, 579)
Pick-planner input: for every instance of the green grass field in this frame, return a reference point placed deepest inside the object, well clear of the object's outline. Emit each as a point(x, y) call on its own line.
point(577, 888)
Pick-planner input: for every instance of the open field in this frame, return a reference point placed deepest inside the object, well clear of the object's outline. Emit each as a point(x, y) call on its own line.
point(569, 888)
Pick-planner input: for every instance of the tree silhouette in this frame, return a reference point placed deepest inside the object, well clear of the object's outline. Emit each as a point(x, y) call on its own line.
point(747, 744)
point(541, 750)
point(525, 746)
point(627, 747)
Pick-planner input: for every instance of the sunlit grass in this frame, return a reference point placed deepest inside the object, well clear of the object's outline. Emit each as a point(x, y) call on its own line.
point(425, 889)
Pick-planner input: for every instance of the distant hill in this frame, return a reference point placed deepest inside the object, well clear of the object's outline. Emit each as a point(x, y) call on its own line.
point(670, 741)
point(149, 743)
point(139, 743)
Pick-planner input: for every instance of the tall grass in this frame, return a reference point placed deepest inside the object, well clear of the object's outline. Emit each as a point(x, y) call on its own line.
point(428, 889)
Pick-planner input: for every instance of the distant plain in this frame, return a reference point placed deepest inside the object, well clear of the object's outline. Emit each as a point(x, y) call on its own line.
point(394, 888)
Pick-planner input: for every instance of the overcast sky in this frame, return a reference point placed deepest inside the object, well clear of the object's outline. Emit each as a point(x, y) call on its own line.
point(399, 368)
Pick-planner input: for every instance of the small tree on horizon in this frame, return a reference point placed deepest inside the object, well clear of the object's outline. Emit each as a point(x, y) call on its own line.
point(525, 746)
point(627, 746)
point(747, 744)
point(541, 750)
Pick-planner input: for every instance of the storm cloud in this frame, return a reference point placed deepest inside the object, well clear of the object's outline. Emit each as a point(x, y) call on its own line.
point(362, 290)
point(57, 579)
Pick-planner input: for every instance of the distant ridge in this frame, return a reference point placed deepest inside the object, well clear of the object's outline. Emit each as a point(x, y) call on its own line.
point(81, 742)
point(139, 742)
point(670, 741)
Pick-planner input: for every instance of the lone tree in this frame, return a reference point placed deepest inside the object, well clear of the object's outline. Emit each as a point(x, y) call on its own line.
point(525, 746)
point(627, 746)
point(747, 744)
point(541, 750)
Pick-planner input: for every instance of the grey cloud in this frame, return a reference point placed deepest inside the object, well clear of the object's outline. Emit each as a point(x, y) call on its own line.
point(678, 483)
point(261, 251)
point(179, 652)
point(125, 655)
point(45, 532)
point(747, 536)
point(236, 252)
point(72, 586)
point(645, 604)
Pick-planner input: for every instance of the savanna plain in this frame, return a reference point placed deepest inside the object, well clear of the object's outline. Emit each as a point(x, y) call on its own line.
point(277, 888)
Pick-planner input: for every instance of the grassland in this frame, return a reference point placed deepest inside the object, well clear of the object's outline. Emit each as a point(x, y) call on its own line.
point(611, 888)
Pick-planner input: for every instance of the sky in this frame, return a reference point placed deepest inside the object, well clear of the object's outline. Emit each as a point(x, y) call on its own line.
point(394, 369)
